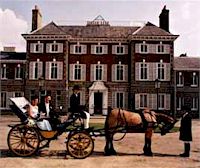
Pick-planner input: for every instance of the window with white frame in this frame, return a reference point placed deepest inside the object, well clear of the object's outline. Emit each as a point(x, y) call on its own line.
point(18, 72)
point(143, 48)
point(36, 70)
point(120, 99)
point(179, 103)
point(179, 79)
point(99, 72)
point(120, 72)
point(77, 72)
point(161, 101)
point(58, 98)
point(3, 72)
point(54, 70)
point(194, 79)
point(38, 47)
point(98, 49)
point(120, 49)
point(3, 100)
point(143, 71)
point(194, 103)
point(160, 48)
point(143, 100)
point(77, 49)
point(161, 71)
point(18, 94)
point(54, 47)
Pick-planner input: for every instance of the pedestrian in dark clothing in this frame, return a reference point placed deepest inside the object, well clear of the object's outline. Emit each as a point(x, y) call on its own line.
point(75, 106)
point(186, 131)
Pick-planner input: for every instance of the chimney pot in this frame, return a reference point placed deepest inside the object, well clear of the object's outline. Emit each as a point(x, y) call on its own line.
point(164, 19)
point(36, 18)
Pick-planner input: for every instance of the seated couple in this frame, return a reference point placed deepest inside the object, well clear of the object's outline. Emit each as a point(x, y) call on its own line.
point(42, 114)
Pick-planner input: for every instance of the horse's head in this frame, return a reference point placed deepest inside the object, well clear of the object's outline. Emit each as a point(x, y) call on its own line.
point(165, 122)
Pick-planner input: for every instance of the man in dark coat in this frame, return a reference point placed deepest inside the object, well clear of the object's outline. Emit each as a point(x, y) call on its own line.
point(75, 106)
point(47, 111)
point(186, 131)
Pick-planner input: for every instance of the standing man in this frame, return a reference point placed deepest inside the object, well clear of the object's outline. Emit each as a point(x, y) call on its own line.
point(76, 108)
point(186, 131)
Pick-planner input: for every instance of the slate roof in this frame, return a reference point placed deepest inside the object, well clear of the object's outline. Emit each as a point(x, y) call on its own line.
point(151, 30)
point(187, 63)
point(12, 55)
point(101, 31)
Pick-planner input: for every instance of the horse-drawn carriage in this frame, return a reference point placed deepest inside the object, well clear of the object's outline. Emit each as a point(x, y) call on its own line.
point(26, 138)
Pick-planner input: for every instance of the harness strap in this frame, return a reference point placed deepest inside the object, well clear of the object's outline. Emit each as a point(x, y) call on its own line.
point(144, 121)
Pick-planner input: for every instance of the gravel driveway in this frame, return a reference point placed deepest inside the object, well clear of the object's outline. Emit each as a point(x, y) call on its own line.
point(166, 152)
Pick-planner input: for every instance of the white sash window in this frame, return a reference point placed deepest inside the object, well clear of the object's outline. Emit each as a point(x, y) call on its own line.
point(161, 71)
point(179, 78)
point(143, 71)
point(194, 80)
point(18, 72)
point(143, 100)
point(35, 69)
point(3, 72)
point(194, 103)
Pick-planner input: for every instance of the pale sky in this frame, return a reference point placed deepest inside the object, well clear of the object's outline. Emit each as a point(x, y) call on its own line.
point(15, 18)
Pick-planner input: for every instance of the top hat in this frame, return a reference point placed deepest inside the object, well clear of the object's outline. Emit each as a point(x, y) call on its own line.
point(76, 87)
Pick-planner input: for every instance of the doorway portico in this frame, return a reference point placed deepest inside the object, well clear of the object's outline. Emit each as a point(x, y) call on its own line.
point(98, 98)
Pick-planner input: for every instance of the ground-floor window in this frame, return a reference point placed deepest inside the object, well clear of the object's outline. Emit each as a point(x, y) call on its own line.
point(3, 100)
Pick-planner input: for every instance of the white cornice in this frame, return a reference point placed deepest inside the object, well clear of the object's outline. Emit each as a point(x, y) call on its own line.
point(46, 37)
point(153, 38)
point(13, 61)
point(186, 69)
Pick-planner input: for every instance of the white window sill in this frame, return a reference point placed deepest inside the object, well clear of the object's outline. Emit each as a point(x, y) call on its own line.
point(37, 52)
point(18, 78)
point(178, 109)
point(144, 52)
point(179, 85)
point(159, 108)
point(194, 85)
point(194, 109)
point(4, 78)
point(120, 53)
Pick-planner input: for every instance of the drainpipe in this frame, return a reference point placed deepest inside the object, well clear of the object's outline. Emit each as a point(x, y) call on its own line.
point(175, 96)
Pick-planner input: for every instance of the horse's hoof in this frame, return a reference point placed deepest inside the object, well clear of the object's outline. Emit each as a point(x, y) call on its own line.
point(148, 154)
point(110, 153)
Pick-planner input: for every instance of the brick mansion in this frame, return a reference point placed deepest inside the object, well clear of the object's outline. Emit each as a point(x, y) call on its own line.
point(129, 67)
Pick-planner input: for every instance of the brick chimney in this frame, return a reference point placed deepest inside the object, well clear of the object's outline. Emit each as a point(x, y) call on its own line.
point(36, 18)
point(164, 19)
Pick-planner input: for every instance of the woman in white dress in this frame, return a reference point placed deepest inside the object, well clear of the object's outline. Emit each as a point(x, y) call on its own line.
point(33, 113)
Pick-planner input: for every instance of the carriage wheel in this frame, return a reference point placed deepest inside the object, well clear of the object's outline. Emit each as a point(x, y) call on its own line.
point(23, 140)
point(80, 145)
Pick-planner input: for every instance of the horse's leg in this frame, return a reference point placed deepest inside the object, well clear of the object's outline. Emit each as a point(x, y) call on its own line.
point(109, 148)
point(147, 145)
